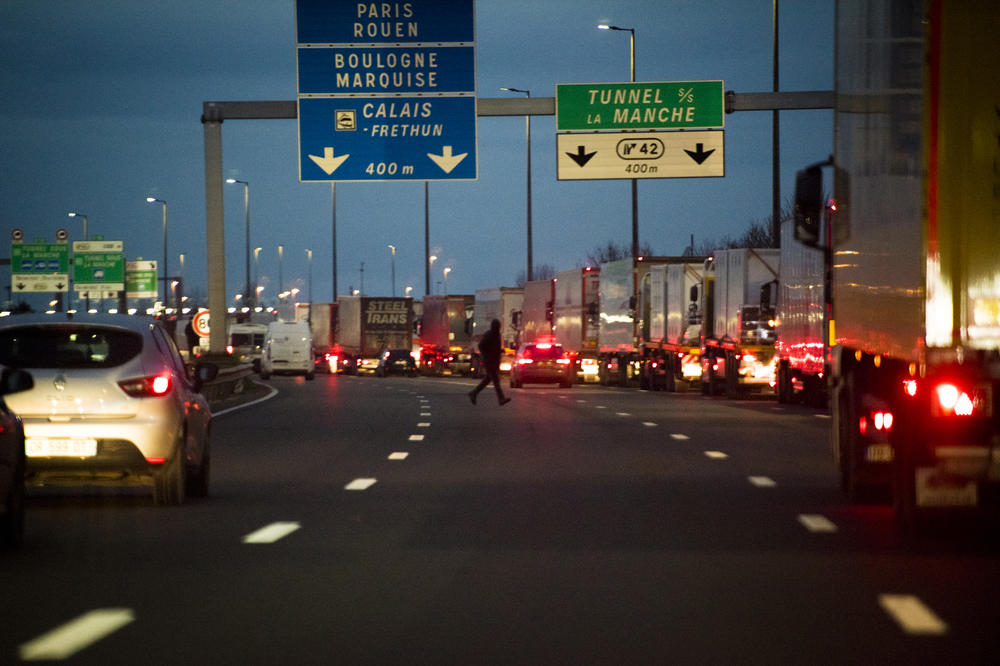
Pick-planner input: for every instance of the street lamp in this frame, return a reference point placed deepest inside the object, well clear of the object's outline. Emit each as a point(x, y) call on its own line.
point(408, 291)
point(246, 214)
point(635, 193)
point(75, 214)
point(393, 248)
point(527, 126)
point(431, 259)
point(256, 274)
point(446, 271)
point(165, 271)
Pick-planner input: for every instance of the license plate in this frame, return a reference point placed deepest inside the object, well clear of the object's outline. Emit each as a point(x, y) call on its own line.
point(933, 489)
point(76, 448)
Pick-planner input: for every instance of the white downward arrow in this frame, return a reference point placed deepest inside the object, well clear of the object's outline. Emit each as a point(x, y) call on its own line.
point(328, 163)
point(446, 160)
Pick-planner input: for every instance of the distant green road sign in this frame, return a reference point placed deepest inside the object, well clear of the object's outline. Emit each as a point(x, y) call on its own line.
point(98, 266)
point(640, 106)
point(140, 279)
point(39, 267)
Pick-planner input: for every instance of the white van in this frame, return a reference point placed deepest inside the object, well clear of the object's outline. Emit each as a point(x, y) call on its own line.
point(288, 350)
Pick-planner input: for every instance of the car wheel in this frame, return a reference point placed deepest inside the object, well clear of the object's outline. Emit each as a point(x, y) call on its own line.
point(310, 376)
point(170, 483)
point(197, 479)
point(12, 522)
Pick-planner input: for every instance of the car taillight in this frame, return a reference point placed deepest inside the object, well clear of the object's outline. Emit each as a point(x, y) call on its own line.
point(148, 387)
point(525, 361)
point(880, 421)
point(953, 400)
point(563, 361)
point(229, 349)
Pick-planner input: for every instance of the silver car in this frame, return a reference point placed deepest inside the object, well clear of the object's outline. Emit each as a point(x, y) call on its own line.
point(113, 403)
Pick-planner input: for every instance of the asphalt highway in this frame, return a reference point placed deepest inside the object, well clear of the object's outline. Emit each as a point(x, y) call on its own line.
point(389, 521)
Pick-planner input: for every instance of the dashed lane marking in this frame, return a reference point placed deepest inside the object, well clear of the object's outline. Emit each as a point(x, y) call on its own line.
point(716, 455)
point(622, 414)
point(398, 455)
point(762, 481)
point(649, 424)
point(416, 438)
point(424, 424)
point(912, 615)
point(68, 639)
point(425, 413)
point(823, 416)
point(679, 436)
point(815, 522)
point(271, 533)
point(360, 484)
point(600, 407)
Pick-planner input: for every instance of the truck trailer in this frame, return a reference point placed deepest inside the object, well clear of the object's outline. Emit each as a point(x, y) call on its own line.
point(671, 297)
point(576, 318)
point(369, 325)
point(737, 339)
point(446, 334)
point(537, 311)
point(505, 304)
point(322, 318)
point(913, 236)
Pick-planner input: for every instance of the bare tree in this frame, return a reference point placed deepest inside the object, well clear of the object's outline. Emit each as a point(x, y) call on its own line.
point(541, 272)
point(602, 254)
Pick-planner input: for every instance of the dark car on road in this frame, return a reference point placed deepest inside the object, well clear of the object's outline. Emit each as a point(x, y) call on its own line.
point(541, 363)
point(396, 362)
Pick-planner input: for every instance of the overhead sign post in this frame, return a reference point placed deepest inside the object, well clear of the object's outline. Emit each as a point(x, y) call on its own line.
point(386, 91)
point(609, 155)
point(39, 266)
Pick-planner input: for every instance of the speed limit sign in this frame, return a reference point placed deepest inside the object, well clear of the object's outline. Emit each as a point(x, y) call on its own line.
point(200, 323)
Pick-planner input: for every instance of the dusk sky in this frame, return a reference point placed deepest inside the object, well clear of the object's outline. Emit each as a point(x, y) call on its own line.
point(102, 102)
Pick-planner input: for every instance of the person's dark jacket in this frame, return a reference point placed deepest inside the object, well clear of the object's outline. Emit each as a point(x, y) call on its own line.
point(491, 347)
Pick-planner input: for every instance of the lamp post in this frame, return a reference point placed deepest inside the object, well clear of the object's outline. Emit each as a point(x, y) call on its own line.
point(309, 263)
point(446, 271)
point(247, 294)
point(75, 214)
point(281, 281)
point(166, 273)
point(635, 193)
point(527, 128)
point(393, 248)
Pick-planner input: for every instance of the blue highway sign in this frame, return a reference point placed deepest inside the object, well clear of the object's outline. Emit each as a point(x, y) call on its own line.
point(398, 138)
point(386, 90)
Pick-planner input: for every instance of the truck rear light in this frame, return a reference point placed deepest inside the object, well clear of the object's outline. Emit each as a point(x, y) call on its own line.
point(880, 421)
point(953, 400)
point(229, 349)
point(563, 361)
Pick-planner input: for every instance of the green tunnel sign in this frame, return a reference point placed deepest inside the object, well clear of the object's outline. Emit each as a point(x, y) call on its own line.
point(640, 106)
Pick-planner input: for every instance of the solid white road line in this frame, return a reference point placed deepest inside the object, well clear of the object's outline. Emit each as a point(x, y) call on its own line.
point(717, 455)
point(68, 639)
point(679, 436)
point(912, 615)
point(416, 438)
point(814, 522)
point(398, 455)
point(271, 533)
point(762, 481)
point(360, 484)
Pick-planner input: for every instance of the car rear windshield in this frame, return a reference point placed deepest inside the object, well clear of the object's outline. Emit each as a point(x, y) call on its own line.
point(67, 346)
point(544, 353)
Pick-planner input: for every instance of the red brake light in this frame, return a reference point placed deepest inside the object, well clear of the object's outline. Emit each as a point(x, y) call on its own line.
point(953, 400)
point(563, 361)
point(525, 361)
point(147, 387)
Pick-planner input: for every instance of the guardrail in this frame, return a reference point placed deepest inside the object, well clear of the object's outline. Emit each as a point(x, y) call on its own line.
point(230, 382)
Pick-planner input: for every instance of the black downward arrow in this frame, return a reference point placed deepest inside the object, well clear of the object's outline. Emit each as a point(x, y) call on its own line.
point(20, 286)
point(581, 156)
point(699, 155)
point(59, 285)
